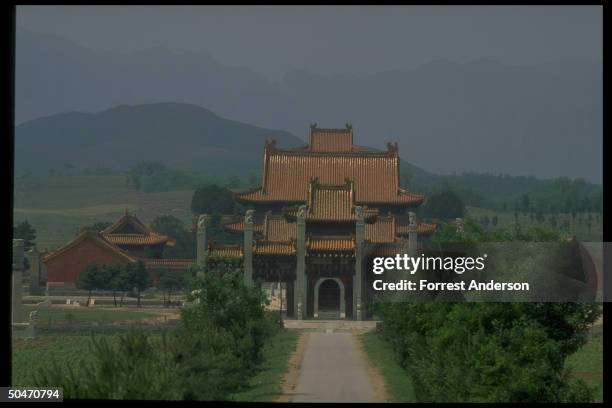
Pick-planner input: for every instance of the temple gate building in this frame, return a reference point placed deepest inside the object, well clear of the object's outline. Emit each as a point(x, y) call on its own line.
point(126, 240)
point(322, 212)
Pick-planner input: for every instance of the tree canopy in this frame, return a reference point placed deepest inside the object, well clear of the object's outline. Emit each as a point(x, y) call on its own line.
point(211, 199)
point(25, 231)
point(171, 226)
point(444, 204)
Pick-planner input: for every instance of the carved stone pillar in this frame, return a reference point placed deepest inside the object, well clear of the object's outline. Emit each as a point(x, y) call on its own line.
point(248, 248)
point(301, 284)
point(412, 235)
point(17, 282)
point(460, 226)
point(35, 271)
point(358, 313)
point(201, 242)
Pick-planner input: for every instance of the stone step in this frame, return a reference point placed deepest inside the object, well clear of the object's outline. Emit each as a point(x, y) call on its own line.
point(328, 314)
point(331, 326)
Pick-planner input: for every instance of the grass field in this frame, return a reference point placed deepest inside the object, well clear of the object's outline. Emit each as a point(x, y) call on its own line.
point(29, 356)
point(398, 384)
point(58, 314)
point(266, 384)
point(57, 207)
point(587, 364)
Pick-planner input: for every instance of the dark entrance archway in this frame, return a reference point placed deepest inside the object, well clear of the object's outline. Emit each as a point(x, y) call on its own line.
point(329, 296)
point(329, 299)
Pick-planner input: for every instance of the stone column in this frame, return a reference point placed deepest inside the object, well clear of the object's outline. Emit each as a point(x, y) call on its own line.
point(460, 226)
point(35, 270)
point(201, 242)
point(248, 248)
point(358, 278)
point(301, 285)
point(16, 294)
point(412, 235)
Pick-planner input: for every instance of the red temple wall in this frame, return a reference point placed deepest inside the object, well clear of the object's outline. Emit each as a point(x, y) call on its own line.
point(67, 266)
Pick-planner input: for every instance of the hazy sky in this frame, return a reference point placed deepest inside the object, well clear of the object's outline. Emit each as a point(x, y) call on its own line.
point(273, 40)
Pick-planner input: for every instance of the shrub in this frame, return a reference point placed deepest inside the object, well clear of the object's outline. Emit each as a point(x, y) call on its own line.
point(224, 301)
point(133, 367)
point(212, 353)
point(490, 352)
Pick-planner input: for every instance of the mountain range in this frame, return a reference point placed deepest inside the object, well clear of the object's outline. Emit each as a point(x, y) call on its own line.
point(543, 120)
point(181, 135)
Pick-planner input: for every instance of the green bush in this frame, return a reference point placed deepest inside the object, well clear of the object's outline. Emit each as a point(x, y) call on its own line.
point(133, 367)
point(213, 352)
point(222, 300)
point(490, 352)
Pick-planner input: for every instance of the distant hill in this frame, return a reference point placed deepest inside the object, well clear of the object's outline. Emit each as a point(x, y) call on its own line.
point(181, 135)
point(543, 120)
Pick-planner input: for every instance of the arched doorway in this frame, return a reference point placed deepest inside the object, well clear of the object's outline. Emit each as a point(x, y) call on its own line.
point(329, 302)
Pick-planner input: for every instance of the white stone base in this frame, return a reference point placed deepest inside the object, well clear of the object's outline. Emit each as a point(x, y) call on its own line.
point(24, 330)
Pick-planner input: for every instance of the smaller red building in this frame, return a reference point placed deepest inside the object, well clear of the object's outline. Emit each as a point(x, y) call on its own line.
point(127, 240)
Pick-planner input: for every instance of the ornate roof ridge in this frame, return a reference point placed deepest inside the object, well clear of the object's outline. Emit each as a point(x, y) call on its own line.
point(354, 149)
point(374, 153)
point(127, 218)
point(316, 128)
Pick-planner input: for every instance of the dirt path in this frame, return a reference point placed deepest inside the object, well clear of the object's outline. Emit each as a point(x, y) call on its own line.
point(334, 369)
point(376, 379)
point(292, 375)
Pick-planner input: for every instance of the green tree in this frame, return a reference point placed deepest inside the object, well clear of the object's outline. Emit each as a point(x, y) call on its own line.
point(222, 300)
point(213, 352)
point(171, 226)
point(490, 352)
point(24, 231)
point(169, 282)
point(89, 279)
point(142, 170)
point(211, 199)
point(525, 203)
point(444, 204)
point(138, 278)
point(119, 281)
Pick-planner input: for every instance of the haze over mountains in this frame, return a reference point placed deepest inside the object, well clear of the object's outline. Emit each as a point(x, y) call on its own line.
point(542, 120)
point(181, 135)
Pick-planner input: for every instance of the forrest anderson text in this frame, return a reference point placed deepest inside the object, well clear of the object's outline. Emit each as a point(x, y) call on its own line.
point(424, 284)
